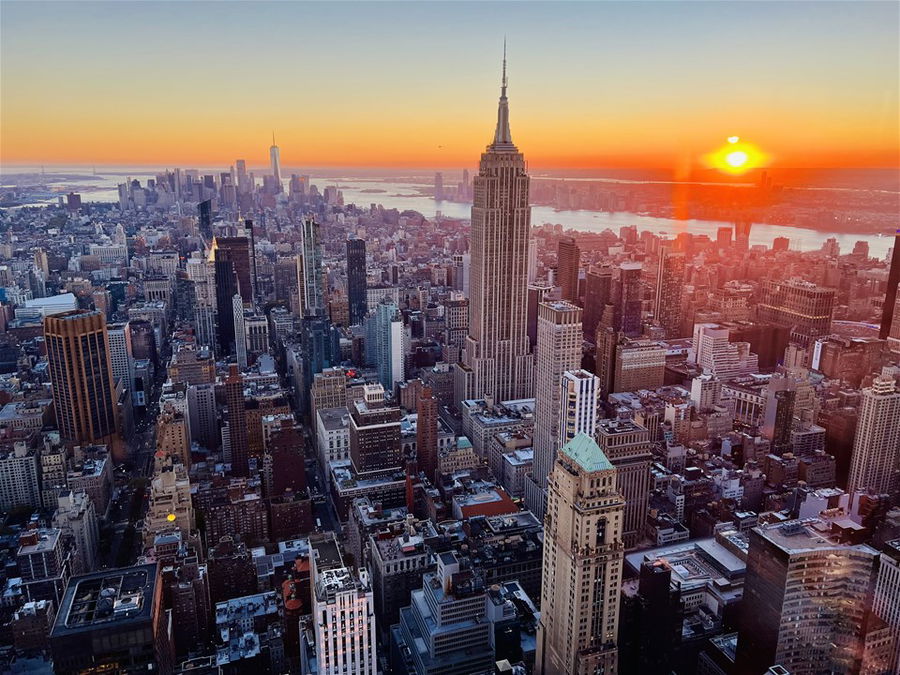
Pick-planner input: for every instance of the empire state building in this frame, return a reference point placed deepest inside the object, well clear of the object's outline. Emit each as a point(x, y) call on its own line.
point(495, 358)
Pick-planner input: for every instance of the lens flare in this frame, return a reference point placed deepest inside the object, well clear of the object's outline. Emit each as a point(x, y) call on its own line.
point(171, 517)
point(734, 139)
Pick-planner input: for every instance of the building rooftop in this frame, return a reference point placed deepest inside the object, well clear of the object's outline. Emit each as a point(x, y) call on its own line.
point(585, 452)
point(95, 601)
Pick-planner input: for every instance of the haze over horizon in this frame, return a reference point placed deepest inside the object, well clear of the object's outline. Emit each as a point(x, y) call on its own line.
point(812, 84)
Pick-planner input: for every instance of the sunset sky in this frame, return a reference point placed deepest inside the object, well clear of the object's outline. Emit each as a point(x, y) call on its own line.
point(416, 85)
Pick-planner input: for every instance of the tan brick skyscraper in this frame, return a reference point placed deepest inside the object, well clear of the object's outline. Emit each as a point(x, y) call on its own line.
point(495, 360)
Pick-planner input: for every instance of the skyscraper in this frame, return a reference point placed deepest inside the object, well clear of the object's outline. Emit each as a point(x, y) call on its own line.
point(356, 279)
point(275, 159)
point(669, 289)
point(496, 362)
point(627, 445)
point(558, 350)
point(806, 600)
point(890, 296)
point(237, 250)
point(427, 432)
point(578, 405)
point(310, 281)
point(204, 211)
point(875, 464)
point(387, 344)
point(226, 288)
point(237, 422)
point(568, 264)
point(597, 293)
point(84, 395)
point(582, 567)
point(802, 306)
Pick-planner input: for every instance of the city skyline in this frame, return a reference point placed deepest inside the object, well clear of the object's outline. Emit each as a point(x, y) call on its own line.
point(635, 92)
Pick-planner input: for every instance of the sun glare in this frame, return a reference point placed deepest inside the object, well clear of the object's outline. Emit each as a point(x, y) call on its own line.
point(736, 157)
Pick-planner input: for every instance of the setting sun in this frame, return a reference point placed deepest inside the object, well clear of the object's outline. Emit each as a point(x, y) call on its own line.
point(737, 158)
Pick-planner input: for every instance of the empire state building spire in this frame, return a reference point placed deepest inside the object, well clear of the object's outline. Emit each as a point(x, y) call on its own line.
point(502, 136)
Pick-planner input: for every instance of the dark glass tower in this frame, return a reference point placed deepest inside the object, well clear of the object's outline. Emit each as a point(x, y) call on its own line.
point(890, 297)
point(356, 279)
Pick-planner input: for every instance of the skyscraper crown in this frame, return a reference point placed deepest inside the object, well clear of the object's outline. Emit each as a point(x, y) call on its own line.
point(502, 135)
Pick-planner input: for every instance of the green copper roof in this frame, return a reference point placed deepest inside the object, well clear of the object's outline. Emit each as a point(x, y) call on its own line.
point(585, 451)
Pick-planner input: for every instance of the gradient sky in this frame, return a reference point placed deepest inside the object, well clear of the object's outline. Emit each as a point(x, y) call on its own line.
point(404, 84)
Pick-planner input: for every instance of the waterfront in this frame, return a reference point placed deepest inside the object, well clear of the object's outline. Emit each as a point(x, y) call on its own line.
point(411, 194)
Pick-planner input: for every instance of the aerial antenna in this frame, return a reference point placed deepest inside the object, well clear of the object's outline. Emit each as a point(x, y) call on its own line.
point(504, 66)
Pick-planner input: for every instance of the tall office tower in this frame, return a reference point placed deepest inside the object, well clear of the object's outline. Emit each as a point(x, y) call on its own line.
point(204, 212)
point(120, 354)
point(320, 343)
point(456, 327)
point(597, 293)
point(237, 250)
point(344, 608)
point(669, 291)
point(890, 296)
point(240, 340)
point(237, 422)
point(374, 433)
point(310, 270)
point(558, 350)
point(254, 273)
point(496, 362)
point(462, 266)
point(742, 234)
point(875, 464)
point(630, 298)
point(226, 288)
point(202, 414)
point(84, 394)
point(578, 411)
point(387, 343)
point(778, 420)
point(802, 306)
point(893, 339)
point(240, 169)
point(723, 238)
point(356, 280)
point(532, 261)
point(886, 601)
point(806, 600)
point(77, 518)
point(606, 340)
point(568, 264)
point(627, 445)
point(427, 433)
point(438, 186)
point(284, 279)
point(536, 295)
point(275, 160)
point(582, 567)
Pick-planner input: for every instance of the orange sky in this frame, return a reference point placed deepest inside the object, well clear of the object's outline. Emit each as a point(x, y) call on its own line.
point(603, 85)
